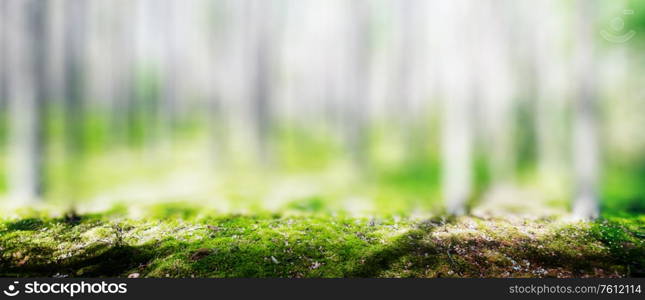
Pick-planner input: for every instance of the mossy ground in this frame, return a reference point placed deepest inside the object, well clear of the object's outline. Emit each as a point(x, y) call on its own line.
point(172, 242)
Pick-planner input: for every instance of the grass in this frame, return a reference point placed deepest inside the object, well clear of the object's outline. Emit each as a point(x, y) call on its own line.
point(178, 241)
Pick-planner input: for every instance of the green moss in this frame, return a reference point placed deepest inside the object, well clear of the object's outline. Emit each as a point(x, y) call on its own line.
point(178, 242)
point(625, 239)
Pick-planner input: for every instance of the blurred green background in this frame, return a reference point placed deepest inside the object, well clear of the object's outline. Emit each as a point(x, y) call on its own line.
point(318, 106)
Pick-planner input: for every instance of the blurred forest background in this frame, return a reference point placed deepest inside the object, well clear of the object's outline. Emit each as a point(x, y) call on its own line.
point(383, 106)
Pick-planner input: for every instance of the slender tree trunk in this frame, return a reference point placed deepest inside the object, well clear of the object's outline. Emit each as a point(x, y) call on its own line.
point(456, 140)
point(74, 59)
point(171, 88)
point(497, 89)
point(222, 43)
point(3, 60)
point(357, 98)
point(123, 81)
point(27, 91)
point(263, 55)
point(585, 131)
point(550, 103)
point(409, 40)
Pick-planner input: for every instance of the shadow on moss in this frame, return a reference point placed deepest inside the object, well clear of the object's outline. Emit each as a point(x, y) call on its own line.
point(96, 261)
point(30, 224)
point(411, 244)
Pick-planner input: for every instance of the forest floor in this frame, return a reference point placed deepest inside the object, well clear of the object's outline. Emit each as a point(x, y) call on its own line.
point(273, 245)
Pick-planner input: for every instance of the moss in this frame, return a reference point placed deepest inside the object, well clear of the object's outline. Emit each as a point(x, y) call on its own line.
point(174, 243)
point(625, 240)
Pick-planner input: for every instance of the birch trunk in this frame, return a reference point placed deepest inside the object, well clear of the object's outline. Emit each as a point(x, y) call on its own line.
point(27, 22)
point(585, 131)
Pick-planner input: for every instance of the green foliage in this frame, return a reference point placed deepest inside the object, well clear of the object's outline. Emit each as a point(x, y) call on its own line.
point(414, 177)
point(311, 204)
point(177, 210)
point(3, 176)
point(482, 176)
point(525, 136)
point(401, 176)
point(635, 21)
point(622, 189)
point(305, 150)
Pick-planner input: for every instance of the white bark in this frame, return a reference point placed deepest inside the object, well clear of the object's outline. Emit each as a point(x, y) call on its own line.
point(457, 137)
point(585, 132)
point(496, 90)
point(358, 89)
point(26, 65)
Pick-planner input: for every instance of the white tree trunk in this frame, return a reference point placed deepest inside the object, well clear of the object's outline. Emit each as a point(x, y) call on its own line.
point(358, 96)
point(25, 55)
point(585, 132)
point(3, 58)
point(457, 137)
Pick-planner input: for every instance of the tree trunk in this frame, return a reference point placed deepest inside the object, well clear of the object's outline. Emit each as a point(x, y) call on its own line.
point(74, 59)
point(357, 97)
point(3, 61)
point(27, 65)
point(456, 140)
point(262, 56)
point(585, 132)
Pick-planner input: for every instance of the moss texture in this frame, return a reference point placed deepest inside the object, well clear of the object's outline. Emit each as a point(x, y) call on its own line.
point(172, 242)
